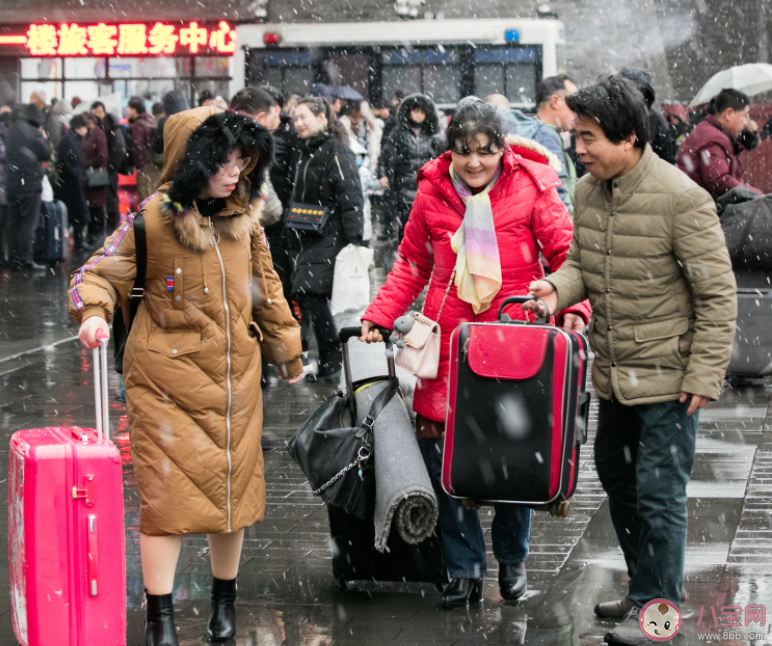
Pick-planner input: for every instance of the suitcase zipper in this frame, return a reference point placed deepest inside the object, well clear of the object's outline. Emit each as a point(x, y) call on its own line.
point(465, 349)
point(215, 242)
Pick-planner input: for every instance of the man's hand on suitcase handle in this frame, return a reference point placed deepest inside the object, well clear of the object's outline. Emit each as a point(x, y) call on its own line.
point(545, 291)
point(697, 402)
point(92, 331)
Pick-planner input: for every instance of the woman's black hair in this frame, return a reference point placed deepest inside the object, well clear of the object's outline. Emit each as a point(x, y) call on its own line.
point(728, 98)
point(319, 105)
point(78, 121)
point(618, 107)
point(474, 118)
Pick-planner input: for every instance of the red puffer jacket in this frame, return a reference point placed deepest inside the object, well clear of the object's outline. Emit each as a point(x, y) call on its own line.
point(529, 218)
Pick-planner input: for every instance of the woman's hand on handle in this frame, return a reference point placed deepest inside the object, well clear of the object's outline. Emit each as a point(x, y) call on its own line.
point(92, 331)
point(368, 335)
point(546, 292)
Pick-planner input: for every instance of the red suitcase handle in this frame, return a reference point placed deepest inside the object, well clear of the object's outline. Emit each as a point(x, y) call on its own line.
point(543, 320)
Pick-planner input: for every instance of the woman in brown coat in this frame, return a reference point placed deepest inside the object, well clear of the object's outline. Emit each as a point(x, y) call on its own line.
point(212, 306)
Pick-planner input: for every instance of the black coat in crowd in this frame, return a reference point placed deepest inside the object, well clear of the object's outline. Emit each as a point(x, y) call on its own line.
point(26, 150)
point(327, 175)
point(660, 138)
point(174, 101)
point(282, 173)
point(71, 177)
point(405, 152)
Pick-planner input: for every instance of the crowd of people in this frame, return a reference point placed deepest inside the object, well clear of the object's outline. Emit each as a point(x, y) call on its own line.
point(563, 202)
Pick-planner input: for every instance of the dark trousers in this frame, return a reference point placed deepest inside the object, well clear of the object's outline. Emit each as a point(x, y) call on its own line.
point(96, 228)
point(462, 535)
point(23, 216)
point(644, 456)
point(3, 235)
point(113, 208)
point(323, 323)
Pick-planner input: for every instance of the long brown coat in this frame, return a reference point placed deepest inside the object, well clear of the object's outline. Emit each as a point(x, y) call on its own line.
point(192, 362)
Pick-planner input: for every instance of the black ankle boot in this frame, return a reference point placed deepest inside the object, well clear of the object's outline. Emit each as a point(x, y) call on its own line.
point(512, 580)
point(159, 621)
point(462, 592)
point(222, 612)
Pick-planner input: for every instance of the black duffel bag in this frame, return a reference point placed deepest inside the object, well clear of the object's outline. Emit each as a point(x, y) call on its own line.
point(335, 455)
point(746, 219)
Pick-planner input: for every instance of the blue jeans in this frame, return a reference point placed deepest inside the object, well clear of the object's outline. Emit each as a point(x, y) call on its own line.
point(462, 535)
point(644, 456)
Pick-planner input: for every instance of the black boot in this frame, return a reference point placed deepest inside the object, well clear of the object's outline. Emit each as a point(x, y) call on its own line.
point(159, 621)
point(462, 592)
point(222, 612)
point(512, 580)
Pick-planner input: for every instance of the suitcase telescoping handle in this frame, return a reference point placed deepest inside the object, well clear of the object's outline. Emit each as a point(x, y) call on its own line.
point(345, 334)
point(544, 320)
point(100, 390)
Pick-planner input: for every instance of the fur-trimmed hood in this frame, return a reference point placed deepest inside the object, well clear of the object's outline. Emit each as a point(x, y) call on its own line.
point(531, 146)
point(198, 141)
point(432, 123)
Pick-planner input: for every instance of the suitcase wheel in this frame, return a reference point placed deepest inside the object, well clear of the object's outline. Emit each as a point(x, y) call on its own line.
point(560, 509)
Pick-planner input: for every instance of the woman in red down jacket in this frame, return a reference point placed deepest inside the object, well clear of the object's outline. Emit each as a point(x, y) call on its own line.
point(528, 218)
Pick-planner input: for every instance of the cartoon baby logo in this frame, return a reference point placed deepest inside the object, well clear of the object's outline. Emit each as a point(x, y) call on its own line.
point(660, 620)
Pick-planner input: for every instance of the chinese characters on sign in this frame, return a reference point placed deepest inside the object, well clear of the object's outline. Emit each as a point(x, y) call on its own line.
point(732, 616)
point(129, 39)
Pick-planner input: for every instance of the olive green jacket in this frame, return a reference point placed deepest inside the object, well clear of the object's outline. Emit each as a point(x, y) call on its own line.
point(649, 253)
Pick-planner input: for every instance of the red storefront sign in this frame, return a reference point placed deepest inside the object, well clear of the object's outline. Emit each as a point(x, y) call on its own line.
point(126, 39)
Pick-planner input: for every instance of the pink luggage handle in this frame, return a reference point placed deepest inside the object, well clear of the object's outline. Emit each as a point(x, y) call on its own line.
point(100, 389)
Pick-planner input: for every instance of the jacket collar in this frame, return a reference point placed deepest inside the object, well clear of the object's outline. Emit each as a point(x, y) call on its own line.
point(736, 146)
point(194, 231)
point(629, 183)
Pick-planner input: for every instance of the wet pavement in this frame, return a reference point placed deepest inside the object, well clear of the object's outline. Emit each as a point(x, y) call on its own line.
point(287, 594)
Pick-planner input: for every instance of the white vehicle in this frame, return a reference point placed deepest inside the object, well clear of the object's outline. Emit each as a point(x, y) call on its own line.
point(446, 59)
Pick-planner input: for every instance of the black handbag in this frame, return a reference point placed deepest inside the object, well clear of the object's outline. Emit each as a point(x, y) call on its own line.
point(305, 217)
point(337, 457)
point(97, 177)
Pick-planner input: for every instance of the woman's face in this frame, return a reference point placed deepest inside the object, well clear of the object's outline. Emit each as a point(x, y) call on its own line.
point(477, 166)
point(417, 115)
point(306, 122)
point(224, 182)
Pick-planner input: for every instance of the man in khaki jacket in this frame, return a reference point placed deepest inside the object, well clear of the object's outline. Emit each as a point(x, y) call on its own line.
point(649, 253)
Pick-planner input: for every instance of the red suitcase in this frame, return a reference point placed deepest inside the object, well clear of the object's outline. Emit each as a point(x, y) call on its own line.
point(517, 411)
point(66, 536)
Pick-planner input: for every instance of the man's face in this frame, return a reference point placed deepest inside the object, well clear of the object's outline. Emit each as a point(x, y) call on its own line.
point(131, 113)
point(603, 159)
point(564, 118)
point(99, 111)
point(735, 121)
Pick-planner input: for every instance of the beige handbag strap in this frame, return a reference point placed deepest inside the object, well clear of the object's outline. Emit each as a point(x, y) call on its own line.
point(444, 298)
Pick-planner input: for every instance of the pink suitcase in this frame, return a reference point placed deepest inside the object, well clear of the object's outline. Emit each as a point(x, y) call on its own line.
point(65, 529)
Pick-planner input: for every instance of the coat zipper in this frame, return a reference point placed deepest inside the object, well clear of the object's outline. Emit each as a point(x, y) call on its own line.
point(305, 170)
point(215, 242)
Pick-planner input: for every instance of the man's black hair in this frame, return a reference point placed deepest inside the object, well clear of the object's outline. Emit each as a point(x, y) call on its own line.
point(399, 94)
point(79, 121)
point(98, 104)
point(618, 107)
point(728, 98)
point(549, 86)
point(138, 104)
point(471, 119)
point(252, 100)
point(278, 96)
point(204, 95)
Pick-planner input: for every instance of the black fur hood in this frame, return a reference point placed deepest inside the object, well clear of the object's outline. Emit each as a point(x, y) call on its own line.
point(432, 123)
point(198, 141)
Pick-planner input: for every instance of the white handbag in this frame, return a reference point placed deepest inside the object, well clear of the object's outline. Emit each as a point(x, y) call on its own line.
point(421, 354)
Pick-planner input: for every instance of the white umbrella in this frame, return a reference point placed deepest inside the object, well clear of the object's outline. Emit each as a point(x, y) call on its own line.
point(752, 78)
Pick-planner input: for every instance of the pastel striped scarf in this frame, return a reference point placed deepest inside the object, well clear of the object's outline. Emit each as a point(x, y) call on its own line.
point(478, 265)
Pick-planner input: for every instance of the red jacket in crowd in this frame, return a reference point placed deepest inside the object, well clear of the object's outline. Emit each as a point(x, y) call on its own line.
point(710, 156)
point(529, 218)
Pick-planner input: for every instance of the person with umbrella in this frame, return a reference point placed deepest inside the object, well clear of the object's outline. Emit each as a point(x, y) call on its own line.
point(710, 154)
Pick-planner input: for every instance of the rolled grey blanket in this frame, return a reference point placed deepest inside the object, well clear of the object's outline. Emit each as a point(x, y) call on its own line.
point(404, 494)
